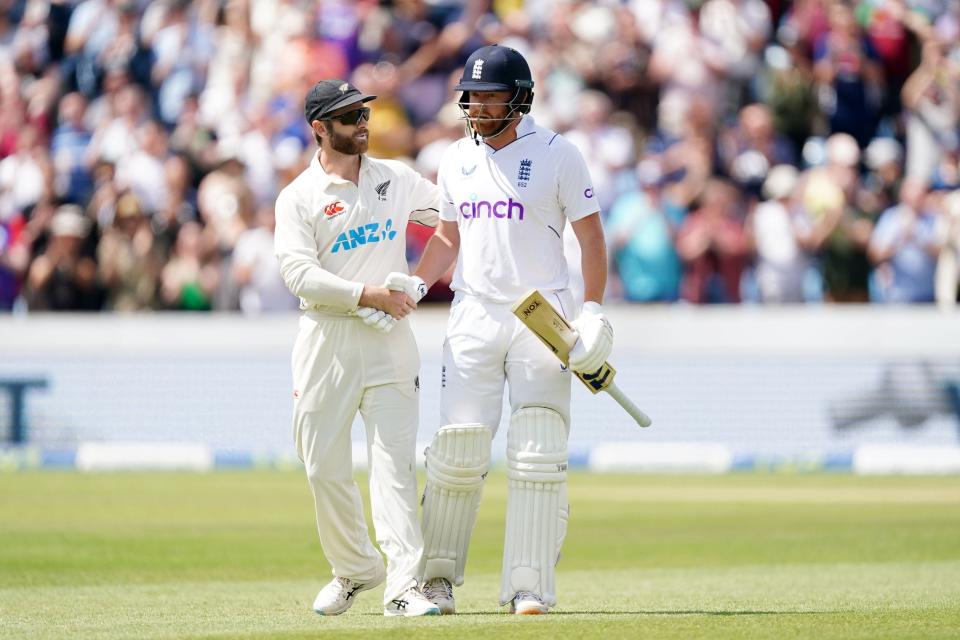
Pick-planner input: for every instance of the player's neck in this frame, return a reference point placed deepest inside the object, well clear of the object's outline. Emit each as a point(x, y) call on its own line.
point(505, 137)
point(339, 164)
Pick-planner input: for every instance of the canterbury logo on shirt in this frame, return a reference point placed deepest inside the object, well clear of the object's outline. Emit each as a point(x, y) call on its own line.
point(333, 209)
point(508, 209)
point(364, 234)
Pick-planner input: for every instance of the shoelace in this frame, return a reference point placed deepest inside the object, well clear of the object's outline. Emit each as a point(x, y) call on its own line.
point(348, 588)
point(437, 589)
point(527, 595)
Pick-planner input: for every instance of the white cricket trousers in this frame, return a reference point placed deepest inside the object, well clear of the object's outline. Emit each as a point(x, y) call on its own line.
point(487, 345)
point(341, 366)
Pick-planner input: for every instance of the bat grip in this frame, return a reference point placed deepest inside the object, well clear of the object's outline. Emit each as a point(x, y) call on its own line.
point(642, 419)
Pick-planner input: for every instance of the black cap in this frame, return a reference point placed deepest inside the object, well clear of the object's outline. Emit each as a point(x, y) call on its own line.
point(495, 68)
point(329, 95)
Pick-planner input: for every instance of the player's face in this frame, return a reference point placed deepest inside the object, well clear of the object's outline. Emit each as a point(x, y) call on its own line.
point(487, 109)
point(349, 139)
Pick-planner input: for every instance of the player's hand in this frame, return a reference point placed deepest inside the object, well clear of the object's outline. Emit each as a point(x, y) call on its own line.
point(379, 320)
point(413, 286)
point(595, 343)
point(396, 303)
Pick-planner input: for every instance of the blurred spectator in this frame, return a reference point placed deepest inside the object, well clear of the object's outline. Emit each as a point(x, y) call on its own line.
point(226, 206)
point(180, 204)
point(62, 278)
point(255, 268)
point(931, 97)
point(142, 170)
point(26, 175)
point(94, 25)
point(735, 32)
point(849, 77)
point(840, 230)
point(182, 48)
point(686, 71)
point(128, 259)
point(881, 185)
point(116, 137)
point(947, 279)
point(786, 86)
point(69, 148)
point(714, 247)
point(641, 232)
point(14, 258)
point(749, 150)
point(190, 278)
point(686, 154)
point(391, 134)
point(781, 237)
point(904, 248)
point(30, 44)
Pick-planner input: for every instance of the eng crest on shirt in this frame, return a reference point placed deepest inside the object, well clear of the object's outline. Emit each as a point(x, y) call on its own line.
point(523, 175)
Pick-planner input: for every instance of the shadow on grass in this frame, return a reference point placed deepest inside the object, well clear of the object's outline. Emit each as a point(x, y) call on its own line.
point(679, 612)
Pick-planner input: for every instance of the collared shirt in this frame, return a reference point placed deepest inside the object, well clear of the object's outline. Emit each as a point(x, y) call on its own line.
point(511, 206)
point(334, 236)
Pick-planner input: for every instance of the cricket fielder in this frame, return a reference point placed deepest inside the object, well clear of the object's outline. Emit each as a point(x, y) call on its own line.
point(340, 233)
point(508, 190)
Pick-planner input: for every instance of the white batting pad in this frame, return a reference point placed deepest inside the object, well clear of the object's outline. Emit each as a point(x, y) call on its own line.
point(536, 503)
point(457, 463)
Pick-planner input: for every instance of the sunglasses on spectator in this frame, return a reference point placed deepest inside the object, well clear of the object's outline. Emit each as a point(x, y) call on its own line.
point(352, 117)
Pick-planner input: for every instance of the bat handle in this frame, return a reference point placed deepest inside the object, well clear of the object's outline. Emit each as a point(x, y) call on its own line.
point(642, 419)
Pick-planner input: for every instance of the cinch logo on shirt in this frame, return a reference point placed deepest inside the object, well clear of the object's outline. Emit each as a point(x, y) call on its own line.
point(364, 234)
point(499, 209)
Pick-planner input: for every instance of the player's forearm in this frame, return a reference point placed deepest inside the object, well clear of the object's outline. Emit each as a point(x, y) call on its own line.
point(439, 254)
point(594, 274)
point(593, 257)
point(317, 285)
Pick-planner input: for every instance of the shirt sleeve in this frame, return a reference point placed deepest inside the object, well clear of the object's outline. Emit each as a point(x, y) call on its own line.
point(424, 200)
point(297, 252)
point(574, 186)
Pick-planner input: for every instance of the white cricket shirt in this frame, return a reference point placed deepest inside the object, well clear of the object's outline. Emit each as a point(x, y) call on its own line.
point(334, 236)
point(511, 206)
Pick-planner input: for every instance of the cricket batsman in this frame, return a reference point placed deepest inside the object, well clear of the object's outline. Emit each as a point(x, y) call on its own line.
point(508, 190)
point(340, 241)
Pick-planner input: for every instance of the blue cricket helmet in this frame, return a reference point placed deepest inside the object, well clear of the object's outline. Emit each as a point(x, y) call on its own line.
point(497, 68)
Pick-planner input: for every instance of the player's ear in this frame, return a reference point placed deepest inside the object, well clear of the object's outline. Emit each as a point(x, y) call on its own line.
point(319, 128)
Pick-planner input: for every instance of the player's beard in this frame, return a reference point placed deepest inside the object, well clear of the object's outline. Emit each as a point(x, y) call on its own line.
point(348, 145)
point(487, 124)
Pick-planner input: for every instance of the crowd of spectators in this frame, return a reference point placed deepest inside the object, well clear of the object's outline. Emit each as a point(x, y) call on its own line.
point(742, 150)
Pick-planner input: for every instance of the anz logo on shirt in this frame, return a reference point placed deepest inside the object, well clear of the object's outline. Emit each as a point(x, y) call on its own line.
point(364, 234)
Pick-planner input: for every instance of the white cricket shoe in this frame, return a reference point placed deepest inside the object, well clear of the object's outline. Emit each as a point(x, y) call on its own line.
point(527, 603)
point(439, 591)
point(411, 603)
point(339, 595)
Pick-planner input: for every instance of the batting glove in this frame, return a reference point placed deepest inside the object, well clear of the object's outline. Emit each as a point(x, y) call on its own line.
point(595, 343)
point(413, 286)
point(379, 320)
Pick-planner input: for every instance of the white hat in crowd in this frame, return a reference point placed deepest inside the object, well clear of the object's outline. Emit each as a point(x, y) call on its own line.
point(780, 182)
point(843, 150)
point(882, 151)
point(68, 220)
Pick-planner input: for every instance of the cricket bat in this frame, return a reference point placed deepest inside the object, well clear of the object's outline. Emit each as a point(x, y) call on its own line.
point(556, 333)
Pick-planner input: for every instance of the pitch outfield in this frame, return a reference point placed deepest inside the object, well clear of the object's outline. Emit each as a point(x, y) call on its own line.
point(234, 554)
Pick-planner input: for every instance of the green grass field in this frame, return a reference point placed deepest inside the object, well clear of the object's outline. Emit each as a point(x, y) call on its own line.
point(235, 555)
